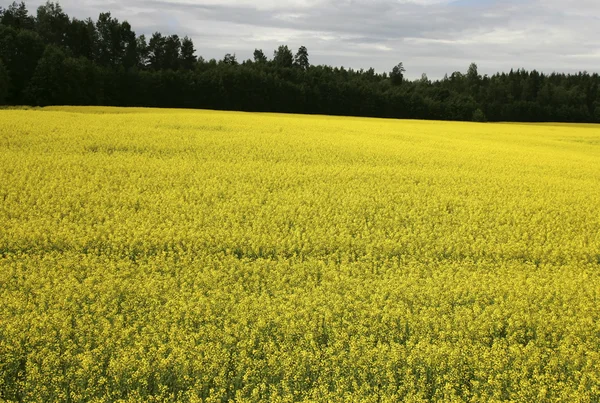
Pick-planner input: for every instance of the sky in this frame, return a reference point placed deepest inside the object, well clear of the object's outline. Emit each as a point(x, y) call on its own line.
point(429, 36)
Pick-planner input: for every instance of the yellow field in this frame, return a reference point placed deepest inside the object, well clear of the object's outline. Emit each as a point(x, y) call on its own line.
point(163, 255)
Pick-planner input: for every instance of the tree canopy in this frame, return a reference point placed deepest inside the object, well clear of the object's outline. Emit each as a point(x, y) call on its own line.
point(49, 58)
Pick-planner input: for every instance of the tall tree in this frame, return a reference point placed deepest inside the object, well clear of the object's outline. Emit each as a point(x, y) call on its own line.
point(259, 56)
point(130, 45)
point(156, 51)
point(143, 52)
point(188, 54)
point(110, 44)
point(47, 84)
point(473, 79)
point(172, 52)
point(397, 74)
point(17, 16)
point(52, 24)
point(230, 59)
point(473, 73)
point(301, 58)
point(81, 80)
point(20, 51)
point(283, 57)
point(82, 38)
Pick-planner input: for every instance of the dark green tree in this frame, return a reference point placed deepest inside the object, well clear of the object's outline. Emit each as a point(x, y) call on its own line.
point(301, 58)
point(473, 79)
point(143, 57)
point(424, 80)
point(172, 52)
point(479, 116)
point(82, 39)
point(259, 56)
point(17, 16)
point(20, 51)
point(473, 73)
point(596, 116)
point(188, 54)
point(156, 51)
point(59, 79)
point(283, 57)
point(52, 24)
point(111, 47)
point(80, 82)
point(230, 59)
point(47, 84)
point(397, 74)
point(129, 44)
point(4, 83)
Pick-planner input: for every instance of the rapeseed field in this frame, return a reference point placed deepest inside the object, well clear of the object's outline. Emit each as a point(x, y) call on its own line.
point(198, 256)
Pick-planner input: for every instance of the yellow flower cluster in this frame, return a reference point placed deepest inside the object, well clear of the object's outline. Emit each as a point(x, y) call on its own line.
point(197, 256)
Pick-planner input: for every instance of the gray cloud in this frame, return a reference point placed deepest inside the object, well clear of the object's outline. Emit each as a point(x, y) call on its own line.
point(431, 36)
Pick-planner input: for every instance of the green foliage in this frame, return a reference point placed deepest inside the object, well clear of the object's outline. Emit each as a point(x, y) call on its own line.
point(172, 52)
point(230, 60)
point(4, 83)
point(109, 41)
point(397, 74)
point(131, 54)
point(283, 57)
point(473, 73)
point(52, 24)
point(479, 116)
point(17, 16)
point(47, 84)
point(20, 51)
point(259, 56)
point(143, 56)
point(301, 58)
point(188, 58)
point(59, 79)
point(82, 39)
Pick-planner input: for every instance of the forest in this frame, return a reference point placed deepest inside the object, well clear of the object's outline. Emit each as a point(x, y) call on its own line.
point(52, 59)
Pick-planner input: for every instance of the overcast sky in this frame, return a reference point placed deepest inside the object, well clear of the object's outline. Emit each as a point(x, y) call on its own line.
point(429, 36)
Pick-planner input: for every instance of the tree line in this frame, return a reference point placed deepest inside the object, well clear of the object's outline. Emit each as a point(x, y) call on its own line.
point(52, 59)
